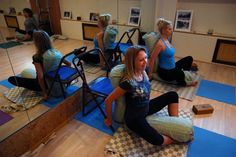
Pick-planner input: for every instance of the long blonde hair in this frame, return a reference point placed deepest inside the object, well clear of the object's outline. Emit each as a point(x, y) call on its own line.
point(162, 24)
point(104, 19)
point(42, 41)
point(130, 57)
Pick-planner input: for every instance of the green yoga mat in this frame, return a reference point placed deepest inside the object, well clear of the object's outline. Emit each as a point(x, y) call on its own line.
point(9, 44)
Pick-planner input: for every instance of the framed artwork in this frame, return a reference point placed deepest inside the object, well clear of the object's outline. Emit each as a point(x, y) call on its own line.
point(93, 16)
point(67, 15)
point(183, 21)
point(134, 16)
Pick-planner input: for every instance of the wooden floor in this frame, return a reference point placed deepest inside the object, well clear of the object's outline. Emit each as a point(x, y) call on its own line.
point(78, 139)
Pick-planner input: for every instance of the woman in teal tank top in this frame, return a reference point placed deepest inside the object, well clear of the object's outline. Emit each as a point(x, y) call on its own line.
point(98, 41)
point(168, 69)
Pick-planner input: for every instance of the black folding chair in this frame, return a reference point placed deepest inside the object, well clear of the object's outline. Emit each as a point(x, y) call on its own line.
point(121, 47)
point(64, 74)
point(99, 88)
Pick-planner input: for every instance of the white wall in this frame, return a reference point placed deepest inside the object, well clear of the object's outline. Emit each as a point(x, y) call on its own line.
point(19, 5)
point(147, 15)
point(114, 7)
point(219, 15)
point(165, 9)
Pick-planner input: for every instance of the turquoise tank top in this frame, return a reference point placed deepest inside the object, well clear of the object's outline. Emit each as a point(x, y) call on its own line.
point(167, 57)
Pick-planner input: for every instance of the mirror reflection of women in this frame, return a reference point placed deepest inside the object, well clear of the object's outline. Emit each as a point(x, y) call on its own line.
point(30, 25)
point(45, 59)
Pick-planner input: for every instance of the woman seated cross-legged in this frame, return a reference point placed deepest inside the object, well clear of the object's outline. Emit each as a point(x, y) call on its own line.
point(168, 69)
point(45, 59)
point(136, 88)
point(104, 40)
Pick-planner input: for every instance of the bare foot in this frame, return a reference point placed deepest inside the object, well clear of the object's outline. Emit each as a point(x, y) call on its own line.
point(194, 83)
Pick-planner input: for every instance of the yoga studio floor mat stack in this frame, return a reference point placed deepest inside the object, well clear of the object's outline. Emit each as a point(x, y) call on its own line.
point(217, 91)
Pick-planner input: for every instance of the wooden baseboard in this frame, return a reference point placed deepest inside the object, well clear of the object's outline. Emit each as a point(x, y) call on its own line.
point(37, 131)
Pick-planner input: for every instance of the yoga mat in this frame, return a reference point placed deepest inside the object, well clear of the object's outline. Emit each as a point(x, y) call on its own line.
point(54, 101)
point(4, 118)
point(7, 84)
point(90, 68)
point(9, 44)
point(95, 119)
point(126, 143)
point(210, 144)
point(217, 91)
point(187, 93)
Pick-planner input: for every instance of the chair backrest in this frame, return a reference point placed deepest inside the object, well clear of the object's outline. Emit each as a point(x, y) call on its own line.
point(68, 55)
point(129, 34)
point(79, 65)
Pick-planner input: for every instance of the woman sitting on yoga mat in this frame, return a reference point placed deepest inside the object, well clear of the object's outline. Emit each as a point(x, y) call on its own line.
point(168, 69)
point(136, 88)
point(100, 41)
point(46, 59)
point(30, 25)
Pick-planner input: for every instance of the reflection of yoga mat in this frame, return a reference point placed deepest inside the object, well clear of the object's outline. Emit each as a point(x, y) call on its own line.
point(95, 119)
point(126, 143)
point(93, 69)
point(23, 98)
point(90, 68)
point(4, 118)
point(209, 144)
point(217, 91)
point(9, 44)
point(183, 92)
point(54, 101)
point(6, 84)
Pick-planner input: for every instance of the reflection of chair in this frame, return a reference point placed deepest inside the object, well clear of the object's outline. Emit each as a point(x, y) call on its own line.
point(64, 74)
point(120, 47)
point(99, 88)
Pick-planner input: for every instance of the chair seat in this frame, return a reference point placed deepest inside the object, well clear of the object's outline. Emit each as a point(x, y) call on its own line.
point(101, 85)
point(123, 46)
point(65, 73)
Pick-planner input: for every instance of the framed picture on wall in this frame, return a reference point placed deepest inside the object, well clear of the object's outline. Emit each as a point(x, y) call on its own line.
point(183, 21)
point(67, 15)
point(93, 16)
point(134, 16)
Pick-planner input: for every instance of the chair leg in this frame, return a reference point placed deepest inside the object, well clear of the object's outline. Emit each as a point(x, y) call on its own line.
point(62, 89)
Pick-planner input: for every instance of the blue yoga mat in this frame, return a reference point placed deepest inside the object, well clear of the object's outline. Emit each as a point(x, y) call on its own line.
point(95, 119)
point(54, 101)
point(210, 144)
point(9, 44)
point(217, 91)
point(6, 84)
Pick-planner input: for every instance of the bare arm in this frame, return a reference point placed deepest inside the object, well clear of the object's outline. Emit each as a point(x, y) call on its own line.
point(154, 56)
point(66, 62)
point(101, 46)
point(40, 78)
point(117, 92)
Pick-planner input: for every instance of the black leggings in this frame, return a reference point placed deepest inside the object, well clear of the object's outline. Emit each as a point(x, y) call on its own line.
point(31, 84)
point(24, 32)
point(177, 73)
point(141, 126)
